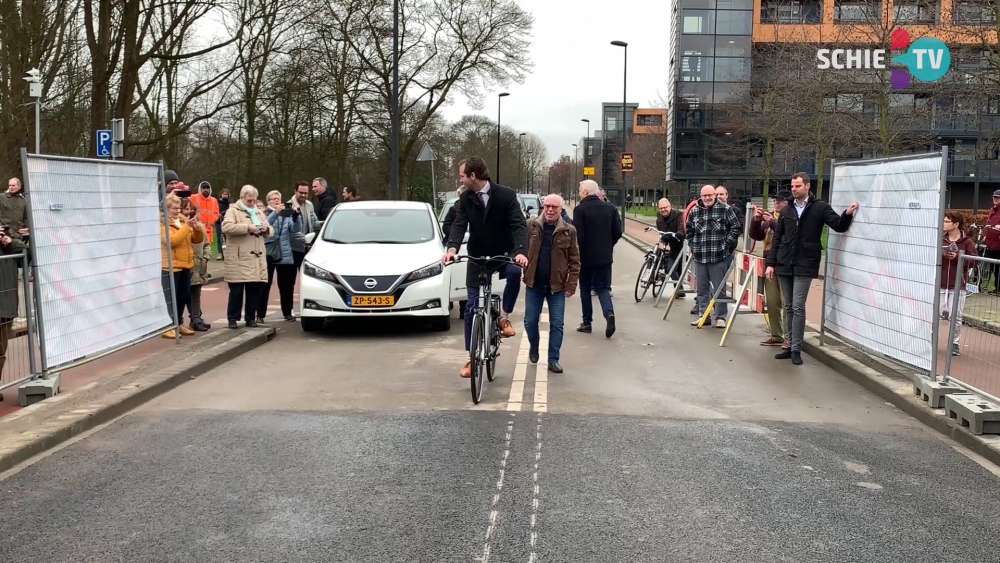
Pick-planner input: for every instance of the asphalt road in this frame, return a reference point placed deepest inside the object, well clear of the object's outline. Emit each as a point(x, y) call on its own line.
point(361, 444)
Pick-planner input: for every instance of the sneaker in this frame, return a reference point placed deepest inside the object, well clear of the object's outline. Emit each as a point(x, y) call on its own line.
point(585, 327)
point(694, 310)
point(185, 331)
point(720, 323)
point(956, 350)
point(233, 325)
point(796, 357)
point(198, 327)
point(784, 354)
point(170, 334)
point(610, 330)
point(695, 322)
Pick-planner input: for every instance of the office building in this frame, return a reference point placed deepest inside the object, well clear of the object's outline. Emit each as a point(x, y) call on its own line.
point(722, 50)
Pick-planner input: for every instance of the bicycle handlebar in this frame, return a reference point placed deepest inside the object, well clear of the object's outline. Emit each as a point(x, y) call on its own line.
point(661, 233)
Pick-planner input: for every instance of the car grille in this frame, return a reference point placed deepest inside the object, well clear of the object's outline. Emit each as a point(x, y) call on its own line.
point(382, 283)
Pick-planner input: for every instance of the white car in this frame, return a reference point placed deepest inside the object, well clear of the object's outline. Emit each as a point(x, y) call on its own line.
point(376, 258)
point(459, 292)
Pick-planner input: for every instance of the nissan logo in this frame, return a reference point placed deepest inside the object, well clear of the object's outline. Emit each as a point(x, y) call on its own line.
point(370, 283)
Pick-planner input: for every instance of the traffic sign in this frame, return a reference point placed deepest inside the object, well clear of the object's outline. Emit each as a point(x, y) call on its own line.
point(426, 153)
point(588, 170)
point(628, 164)
point(104, 143)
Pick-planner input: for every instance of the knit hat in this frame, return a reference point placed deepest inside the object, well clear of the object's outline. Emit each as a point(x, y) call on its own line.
point(170, 176)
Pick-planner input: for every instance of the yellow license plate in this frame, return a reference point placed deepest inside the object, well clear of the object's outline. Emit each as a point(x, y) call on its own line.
point(373, 300)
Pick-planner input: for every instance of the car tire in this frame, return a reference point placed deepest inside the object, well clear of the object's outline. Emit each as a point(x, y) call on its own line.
point(442, 324)
point(311, 324)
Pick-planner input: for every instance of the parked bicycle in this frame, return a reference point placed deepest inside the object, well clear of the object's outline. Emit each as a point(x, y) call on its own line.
point(653, 272)
point(979, 275)
point(484, 345)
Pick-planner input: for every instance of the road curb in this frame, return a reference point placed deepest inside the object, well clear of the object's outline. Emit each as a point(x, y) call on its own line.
point(54, 421)
point(901, 395)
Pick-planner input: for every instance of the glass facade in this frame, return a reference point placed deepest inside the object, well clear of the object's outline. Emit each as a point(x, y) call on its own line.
point(713, 52)
point(611, 176)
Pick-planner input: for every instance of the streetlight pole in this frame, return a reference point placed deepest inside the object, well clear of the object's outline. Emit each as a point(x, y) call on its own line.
point(586, 147)
point(34, 80)
point(520, 162)
point(624, 46)
point(394, 107)
point(575, 165)
point(496, 176)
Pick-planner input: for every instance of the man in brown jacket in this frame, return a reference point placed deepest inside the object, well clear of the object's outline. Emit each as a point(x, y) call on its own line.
point(551, 275)
point(762, 228)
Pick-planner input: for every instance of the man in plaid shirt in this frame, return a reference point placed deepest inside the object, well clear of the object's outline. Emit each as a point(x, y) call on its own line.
point(712, 228)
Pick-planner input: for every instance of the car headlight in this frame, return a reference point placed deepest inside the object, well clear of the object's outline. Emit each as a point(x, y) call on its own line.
point(318, 273)
point(428, 271)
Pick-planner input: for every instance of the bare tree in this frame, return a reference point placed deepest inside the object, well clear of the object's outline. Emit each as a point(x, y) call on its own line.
point(446, 47)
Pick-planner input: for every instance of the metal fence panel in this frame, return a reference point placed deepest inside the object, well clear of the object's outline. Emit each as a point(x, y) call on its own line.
point(972, 343)
point(17, 344)
point(96, 248)
point(882, 276)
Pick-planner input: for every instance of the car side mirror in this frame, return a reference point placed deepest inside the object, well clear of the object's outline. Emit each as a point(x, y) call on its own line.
point(310, 238)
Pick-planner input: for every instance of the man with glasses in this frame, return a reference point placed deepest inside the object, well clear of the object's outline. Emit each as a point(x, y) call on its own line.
point(310, 223)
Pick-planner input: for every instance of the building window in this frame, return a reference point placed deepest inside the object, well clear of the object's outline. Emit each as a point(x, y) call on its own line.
point(704, 4)
point(699, 21)
point(703, 45)
point(649, 120)
point(729, 46)
point(732, 69)
point(856, 11)
point(915, 11)
point(696, 69)
point(735, 5)
point(794, 11)
point(730, 22)
point(730, 93)
point(972, 12)
point(695, 93)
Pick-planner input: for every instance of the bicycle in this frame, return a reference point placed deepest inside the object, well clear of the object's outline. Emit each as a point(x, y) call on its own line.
point(650, 273)
point(484, 344)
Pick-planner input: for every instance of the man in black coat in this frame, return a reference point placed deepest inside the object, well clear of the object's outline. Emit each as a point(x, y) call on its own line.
point(671, 221)
point(796, 252)
point(496, 226)
point(598, 229)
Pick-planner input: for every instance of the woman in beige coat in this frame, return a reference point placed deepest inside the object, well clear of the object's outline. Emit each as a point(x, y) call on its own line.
point(245, 259)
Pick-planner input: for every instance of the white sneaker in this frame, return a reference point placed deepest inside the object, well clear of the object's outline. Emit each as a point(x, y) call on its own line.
point(720, 323)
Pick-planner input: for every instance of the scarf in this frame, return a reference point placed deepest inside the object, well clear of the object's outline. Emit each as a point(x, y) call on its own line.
point(253, 215)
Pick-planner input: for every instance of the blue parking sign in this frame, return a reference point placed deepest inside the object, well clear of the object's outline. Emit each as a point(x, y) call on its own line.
point(104, 143)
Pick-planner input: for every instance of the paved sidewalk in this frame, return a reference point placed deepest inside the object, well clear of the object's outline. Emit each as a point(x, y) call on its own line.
point(214, 301)
point(979, 362)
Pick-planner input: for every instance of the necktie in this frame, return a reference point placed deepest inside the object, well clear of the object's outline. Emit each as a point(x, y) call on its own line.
point(482, 199)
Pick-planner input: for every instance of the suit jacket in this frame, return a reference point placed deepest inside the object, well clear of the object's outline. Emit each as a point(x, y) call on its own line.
point(498, 229)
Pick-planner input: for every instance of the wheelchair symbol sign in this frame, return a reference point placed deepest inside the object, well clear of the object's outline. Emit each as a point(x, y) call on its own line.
point(104, 143)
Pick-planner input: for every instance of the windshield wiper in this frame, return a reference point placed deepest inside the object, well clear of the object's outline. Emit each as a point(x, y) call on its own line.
point(379, 242)
point(337, 241)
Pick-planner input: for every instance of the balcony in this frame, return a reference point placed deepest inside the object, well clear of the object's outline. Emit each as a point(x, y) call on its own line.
point(791, 11)
point(973, 12)
point(971, 123)
point(856, 11)
point(915, 12)
point(989, 170)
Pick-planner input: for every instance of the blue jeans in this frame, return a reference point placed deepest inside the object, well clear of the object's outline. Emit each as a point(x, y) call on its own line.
point(598, 280)
point(512, 274)
point(708, 277)
point(533, 299)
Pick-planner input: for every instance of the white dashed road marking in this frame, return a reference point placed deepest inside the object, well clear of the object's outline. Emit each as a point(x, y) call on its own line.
point(494, 506)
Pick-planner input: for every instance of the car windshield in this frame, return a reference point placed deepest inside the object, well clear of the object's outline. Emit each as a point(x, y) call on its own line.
point(445, 208)
point(379, 226)
point(531, 203)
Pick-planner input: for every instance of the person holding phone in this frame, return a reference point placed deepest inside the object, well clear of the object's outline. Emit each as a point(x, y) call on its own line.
point(286, 222)
point(246, 267)
point(954, 241)
point(182, 232)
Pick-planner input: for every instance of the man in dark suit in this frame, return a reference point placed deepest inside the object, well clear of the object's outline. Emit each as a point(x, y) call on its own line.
point(598, 229)
point(496, 225)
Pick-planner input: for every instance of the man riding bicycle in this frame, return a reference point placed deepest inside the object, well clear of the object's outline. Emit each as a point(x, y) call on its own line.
point(496, 225)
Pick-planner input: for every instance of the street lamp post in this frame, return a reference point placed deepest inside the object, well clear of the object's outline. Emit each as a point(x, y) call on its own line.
point(394, 107)
point(575, 164)
point(586, 147)
point(520, 162)
point(497, 171)
point(624, 46)
point(34, 80)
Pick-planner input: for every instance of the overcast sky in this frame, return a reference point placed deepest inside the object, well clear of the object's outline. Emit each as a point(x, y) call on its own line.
point(576, 67)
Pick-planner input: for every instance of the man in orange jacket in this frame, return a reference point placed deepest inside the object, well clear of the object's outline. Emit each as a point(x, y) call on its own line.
point(207, 206)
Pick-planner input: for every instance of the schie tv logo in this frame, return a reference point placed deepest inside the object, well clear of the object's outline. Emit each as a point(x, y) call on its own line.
point(927, 59)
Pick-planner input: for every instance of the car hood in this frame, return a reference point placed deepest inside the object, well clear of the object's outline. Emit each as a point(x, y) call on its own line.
point(374, 259)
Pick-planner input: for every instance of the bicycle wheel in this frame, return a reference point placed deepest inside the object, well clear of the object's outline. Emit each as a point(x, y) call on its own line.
point(658, 271)
point(493, 337)
point(642, 281)
point(477, 351)
point(976, 276)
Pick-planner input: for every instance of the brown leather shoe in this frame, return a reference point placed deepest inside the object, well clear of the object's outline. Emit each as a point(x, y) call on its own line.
point(466, 370)
point(506, 329)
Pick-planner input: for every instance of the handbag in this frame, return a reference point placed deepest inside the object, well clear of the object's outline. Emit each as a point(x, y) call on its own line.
point(274, 249)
